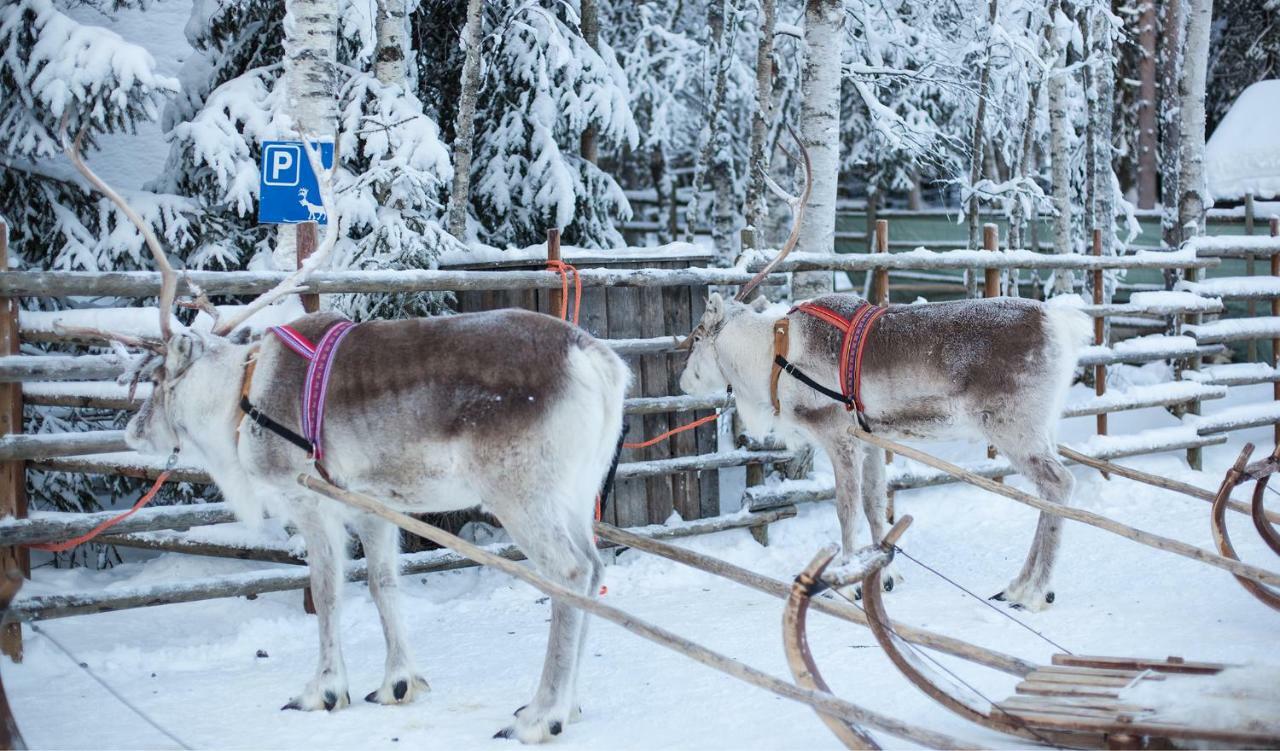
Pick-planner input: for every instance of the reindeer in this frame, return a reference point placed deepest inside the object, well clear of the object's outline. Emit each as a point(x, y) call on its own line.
point(991, 369)
point(512, 411)
point(314, 212)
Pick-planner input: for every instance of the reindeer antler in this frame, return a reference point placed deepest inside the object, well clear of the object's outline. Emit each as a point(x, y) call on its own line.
point(797, 204)
point(293, 282)
point(168, 277)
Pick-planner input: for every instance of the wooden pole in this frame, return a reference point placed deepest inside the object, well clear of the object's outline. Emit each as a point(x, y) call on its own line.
point(13, 475)
point(880, 296)
point(307, 239)
point(825, 702)
point(1099, 335)
point(1159, 542)
point(835, 608)
point(1249, 270)
point(1275, 311)
point(553, 254)
point(991, 288)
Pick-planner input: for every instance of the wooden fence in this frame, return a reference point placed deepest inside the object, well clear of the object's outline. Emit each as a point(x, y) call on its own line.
point(639, 307)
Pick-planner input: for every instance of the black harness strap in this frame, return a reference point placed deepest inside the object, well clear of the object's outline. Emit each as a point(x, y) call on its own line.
point(800, 376)
point(613, 469)
point(261, 419)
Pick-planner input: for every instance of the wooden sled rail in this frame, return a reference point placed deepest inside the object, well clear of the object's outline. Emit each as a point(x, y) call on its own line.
point(1242, 472)
point(822, 701)
point(1159, 542)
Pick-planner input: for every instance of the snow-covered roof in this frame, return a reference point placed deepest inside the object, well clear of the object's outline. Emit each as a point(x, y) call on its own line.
point(1243, 154)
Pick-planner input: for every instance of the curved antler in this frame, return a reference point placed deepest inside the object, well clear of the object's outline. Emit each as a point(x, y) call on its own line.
point(291, 283)
point(168, 277)
point(798, 205)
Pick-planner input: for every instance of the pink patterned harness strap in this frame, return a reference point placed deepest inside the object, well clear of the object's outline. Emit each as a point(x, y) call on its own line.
point(316, 385)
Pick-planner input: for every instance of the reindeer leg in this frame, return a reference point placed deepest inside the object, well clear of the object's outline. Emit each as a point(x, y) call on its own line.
point(1031, 588)
point(557, 547)
point(847, 461)
point(325, 554)
point(381, 541)
point(875, 504)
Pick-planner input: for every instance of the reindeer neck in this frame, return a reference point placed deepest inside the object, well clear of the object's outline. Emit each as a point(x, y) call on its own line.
point(744, 350)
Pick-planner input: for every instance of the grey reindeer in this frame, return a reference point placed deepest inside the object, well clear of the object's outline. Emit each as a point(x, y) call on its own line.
point(995, 370)
point(515, 412)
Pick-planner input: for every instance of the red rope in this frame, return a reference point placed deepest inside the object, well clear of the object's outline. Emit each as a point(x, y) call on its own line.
point(59, 547)
point(565, 270)
point(669, 433)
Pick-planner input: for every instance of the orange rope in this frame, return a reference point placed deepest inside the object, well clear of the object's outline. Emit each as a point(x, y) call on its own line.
point(59, 547)
point(669, 433)
point(565, 270)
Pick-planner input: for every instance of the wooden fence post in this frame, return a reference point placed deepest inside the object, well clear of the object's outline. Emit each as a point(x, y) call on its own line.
point(1099, 331)
point(1275, 311)
point(1249, 270)
point(307, 239)
point(880, 296)
point(553, 254)
point(13, 476)
point(991, 288)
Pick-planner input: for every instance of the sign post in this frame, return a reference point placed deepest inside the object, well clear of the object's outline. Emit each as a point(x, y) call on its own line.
point(289, 193)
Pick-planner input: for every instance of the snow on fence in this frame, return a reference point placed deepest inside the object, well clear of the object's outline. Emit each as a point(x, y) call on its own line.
point(640, 305)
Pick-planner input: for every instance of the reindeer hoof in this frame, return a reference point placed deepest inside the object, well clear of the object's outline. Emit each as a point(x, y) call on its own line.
point(1049, 598)
point(888, 585)
point(316, 698)
point(402, 690)
point(998, 597)
point(504, 734)
point(556, 728)
point(534, 726)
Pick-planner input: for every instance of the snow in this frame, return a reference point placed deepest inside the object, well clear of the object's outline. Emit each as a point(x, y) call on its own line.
point(478, 253)
point(1164, 302)
point(1243, 154)
point(479, 637)
point(1233, 286)
point(1233, 329)
point(1240, 697)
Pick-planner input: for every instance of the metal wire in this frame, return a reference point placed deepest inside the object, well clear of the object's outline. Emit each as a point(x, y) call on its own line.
point(85, 667)
point(980, 599)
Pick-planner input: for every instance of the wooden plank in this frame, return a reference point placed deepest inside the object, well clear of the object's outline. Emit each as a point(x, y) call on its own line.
point(1236, 736)
point(13, 474)
point(678, 309)
point(630, 506)
point(708, 482)
point(1167, 665)
point(654, 378)
point(1041, 688)
point(1079, 679)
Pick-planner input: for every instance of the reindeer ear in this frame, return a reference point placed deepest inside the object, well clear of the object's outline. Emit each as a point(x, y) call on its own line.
point(715, 306)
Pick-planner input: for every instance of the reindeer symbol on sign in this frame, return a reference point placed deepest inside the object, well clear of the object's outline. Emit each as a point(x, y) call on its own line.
point(315, 212)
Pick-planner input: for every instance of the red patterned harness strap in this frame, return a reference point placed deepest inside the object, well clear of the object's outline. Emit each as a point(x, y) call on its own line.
point(316, 386)
point(855, 330)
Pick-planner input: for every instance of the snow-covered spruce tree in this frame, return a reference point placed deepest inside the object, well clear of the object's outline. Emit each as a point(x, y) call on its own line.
point(392, 165)
point(543, 84)
point(51, 67)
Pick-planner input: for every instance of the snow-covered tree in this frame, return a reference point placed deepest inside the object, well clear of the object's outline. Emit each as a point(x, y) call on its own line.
point(543, 85)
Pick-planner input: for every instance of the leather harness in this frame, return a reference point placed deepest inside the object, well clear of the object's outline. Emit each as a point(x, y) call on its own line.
point(315, 387)
point(855, 328)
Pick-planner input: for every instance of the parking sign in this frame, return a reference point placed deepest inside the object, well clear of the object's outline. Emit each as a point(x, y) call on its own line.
point(287, 187)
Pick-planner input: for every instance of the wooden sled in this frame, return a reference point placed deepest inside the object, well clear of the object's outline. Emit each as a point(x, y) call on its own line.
point(1241, 472)
point(1076, 701)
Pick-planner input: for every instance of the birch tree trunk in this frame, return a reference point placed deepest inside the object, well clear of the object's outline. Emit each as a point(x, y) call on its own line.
point(1193, 193)
point(758, 165)
point(1064, 280)
point(976, 158)
point(465, 125)
point(1102, 155)
point(820, 134)
point(590, 19)
point(1147, 144)
point(1170, 122)
point(310, 54)
point(389, 58)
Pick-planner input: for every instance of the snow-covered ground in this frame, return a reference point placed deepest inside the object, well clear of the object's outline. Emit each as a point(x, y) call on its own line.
point(479, 637)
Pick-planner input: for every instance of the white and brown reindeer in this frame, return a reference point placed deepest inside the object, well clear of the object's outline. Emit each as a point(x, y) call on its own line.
point(515, 412)
point(995, 370)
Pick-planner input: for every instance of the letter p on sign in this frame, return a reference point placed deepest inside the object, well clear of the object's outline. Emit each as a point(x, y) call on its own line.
point(282, 164)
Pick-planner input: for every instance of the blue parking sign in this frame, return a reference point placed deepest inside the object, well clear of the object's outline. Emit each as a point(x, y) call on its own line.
point(287, 187)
